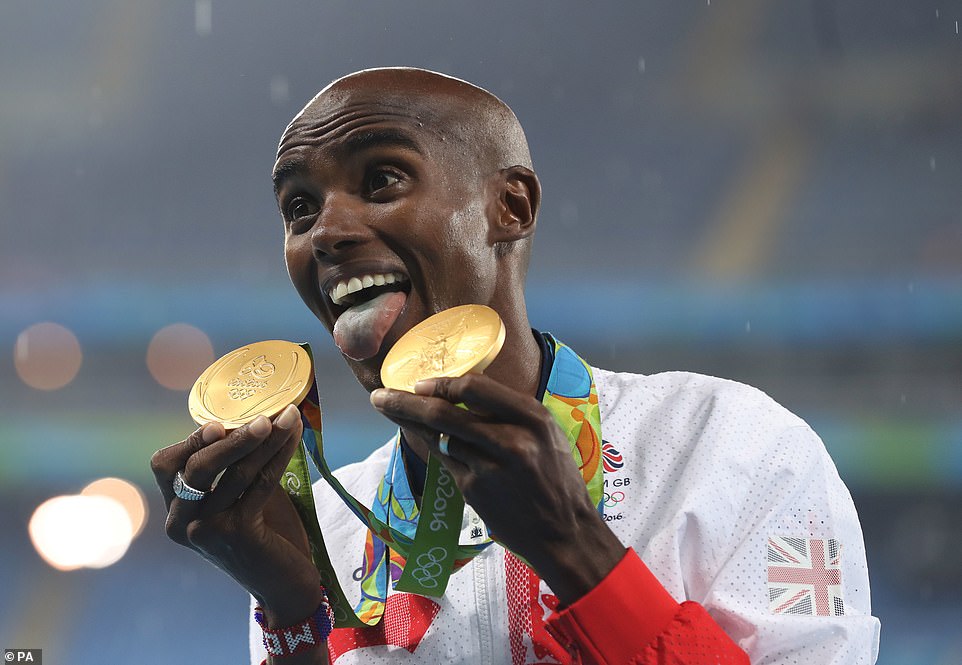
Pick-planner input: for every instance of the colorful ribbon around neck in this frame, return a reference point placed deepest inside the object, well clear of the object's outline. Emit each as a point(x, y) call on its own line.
point(419, 555)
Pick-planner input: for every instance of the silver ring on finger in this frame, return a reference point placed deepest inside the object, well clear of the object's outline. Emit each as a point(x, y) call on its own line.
point(185, 491)
point(444, 441)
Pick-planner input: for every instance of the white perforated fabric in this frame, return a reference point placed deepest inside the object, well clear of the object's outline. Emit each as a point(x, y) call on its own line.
point(701, 473)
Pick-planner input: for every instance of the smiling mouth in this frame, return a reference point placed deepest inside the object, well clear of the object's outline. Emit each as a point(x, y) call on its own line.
point(356, 290)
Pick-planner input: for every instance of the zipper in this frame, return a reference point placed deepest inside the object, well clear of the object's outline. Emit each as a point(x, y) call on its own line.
point(482, 601)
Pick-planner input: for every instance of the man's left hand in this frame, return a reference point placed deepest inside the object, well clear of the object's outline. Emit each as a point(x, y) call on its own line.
point(513, 465)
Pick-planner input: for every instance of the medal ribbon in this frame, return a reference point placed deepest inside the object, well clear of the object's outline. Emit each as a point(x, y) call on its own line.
point(424, 552)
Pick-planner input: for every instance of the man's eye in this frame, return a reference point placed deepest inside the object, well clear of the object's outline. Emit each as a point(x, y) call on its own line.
point(299, 208)
point(382, 179)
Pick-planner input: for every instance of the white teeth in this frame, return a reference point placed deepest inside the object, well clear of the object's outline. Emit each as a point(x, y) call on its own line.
point(355, 284)
point(339, 292)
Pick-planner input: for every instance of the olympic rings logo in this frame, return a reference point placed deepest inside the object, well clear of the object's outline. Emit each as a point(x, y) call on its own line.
point(613, 499)
point(429, 567)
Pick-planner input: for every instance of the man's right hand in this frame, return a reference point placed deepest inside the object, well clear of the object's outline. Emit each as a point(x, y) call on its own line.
point(245, 525)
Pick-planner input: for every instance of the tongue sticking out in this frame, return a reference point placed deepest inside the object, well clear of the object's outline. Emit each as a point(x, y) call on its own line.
point(360, 330)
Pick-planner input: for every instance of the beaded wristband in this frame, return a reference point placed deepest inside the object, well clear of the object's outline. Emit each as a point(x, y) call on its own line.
point(294, 639)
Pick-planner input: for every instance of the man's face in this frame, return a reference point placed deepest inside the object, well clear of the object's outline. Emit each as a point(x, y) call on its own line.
point(378, 202)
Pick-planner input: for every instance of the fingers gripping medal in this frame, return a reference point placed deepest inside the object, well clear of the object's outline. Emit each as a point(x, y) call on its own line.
point(255, 380)
point(451, 343)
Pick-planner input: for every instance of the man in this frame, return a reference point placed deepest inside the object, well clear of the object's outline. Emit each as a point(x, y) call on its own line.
point(726, 530)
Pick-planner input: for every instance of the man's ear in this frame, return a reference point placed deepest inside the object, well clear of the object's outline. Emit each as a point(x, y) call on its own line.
point(519, 197)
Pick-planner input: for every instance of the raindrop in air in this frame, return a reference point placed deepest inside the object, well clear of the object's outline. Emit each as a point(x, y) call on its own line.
point(203, 15)
point(280, 90)
point(568, 213)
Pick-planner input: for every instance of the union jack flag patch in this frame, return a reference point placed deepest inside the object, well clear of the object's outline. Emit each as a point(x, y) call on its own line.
point(805, 576)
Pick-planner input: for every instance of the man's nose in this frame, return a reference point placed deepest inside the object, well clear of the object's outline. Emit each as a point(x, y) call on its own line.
point(339, 227)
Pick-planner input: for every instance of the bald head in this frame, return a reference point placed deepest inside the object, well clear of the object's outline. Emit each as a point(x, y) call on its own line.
point(471, 120)
point(470, 131)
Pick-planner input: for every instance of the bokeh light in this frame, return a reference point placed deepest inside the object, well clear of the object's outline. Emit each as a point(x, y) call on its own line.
point(47, 356)
point(71, 532)
point(177, 354)
point(128, 495)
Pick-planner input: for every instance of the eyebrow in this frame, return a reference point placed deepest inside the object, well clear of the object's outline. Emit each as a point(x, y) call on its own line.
point(286, 170)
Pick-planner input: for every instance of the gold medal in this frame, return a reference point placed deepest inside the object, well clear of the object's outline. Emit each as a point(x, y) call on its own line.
point(257, 379)
point(451, 343)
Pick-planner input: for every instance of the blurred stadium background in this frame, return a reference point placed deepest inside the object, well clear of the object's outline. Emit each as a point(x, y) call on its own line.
point(766, 191)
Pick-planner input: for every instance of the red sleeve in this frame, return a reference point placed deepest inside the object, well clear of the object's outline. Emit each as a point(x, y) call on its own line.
point(630, 618)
